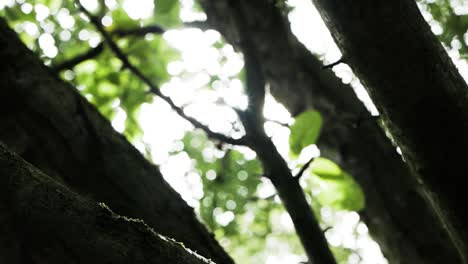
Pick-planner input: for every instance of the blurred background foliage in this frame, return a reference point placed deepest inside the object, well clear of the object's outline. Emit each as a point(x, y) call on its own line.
point(450, 23)
point(226, 186)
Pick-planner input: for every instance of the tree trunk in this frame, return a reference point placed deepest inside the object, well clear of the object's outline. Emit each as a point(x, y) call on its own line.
point(50, 125)
point(417, 89)
point(397, 215)
point(48, 223)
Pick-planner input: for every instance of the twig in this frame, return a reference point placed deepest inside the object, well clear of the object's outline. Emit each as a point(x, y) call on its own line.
point(139, 31)
point(153, 88)
point(303, 169)
point(132, 32)
point(94, 52)
point(256, 198)
point(200, 24)
point(278, 122)
point(69, 64)
point(329, 66)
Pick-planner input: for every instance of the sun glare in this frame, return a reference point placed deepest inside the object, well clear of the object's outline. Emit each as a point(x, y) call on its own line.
point(138, 9)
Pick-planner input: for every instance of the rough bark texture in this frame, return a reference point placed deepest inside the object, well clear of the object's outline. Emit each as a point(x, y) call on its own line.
point(50, 125)
point(397, 214)
point(48, 223)
point(417, 89)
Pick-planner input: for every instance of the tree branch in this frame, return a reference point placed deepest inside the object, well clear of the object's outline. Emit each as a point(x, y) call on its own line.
point(331, 65)
point(298, 81)
point(139, 31)
point(434, 104)
point(256, 198)
point(76, 226)
point(132, 32)
point(278, 122)
point(69, 64)
point(287, 187)
point(153, 88)
point(255, 82)
point(200, 24)
point(94, 52)
point(304, 168)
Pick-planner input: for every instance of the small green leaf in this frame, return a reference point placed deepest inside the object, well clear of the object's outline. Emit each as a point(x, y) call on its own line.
point(325, 168)
point(338, 189)
point(305, 131)
point(355, 199)
point(343, 194)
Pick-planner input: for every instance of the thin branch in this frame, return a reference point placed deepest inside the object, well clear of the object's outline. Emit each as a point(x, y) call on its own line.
point(89, 54)
point(278, 122)
point(102, 8)
point(153, 88)
point(329, 66)
point(132, 32)
point(200, 24)
point(256, 198)
point(139, 31)
point(327, 228)
point(94, 52)
point(303, 169)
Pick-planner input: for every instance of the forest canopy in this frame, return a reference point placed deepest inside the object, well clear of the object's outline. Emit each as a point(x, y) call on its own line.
point(219, 103)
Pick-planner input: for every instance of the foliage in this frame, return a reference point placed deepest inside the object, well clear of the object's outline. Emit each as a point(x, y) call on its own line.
point(231, 205)
point(100, 79)
point(229, 179)
point(305, 131)
point(338, 189)
point(454, 24)
point(166, 13)
point(230, 184)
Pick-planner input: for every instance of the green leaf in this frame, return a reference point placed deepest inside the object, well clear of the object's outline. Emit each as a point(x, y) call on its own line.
point(338, 189)
point(164, 6)
point(305, 131)
point(344, 194)
point(166, 13)
point(326, 168)
point(229, 182)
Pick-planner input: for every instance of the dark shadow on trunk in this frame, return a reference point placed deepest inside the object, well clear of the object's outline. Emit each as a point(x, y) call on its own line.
point(50, 125)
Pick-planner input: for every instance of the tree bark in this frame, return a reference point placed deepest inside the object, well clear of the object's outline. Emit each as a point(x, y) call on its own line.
point(48, 223)
point(49, 124)
point(275, 167)
point(397, 214)
point(418, 91)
